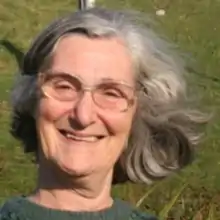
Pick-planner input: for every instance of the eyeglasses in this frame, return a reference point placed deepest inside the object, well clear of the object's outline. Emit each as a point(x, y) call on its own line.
point(110, 95)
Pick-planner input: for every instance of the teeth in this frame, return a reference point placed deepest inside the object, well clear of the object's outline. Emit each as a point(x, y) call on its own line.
point(87, 139)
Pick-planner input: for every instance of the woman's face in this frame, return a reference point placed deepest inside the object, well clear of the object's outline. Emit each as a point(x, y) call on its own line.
point(81, 137)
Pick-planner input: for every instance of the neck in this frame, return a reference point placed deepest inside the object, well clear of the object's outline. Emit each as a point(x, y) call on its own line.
point(57, 190)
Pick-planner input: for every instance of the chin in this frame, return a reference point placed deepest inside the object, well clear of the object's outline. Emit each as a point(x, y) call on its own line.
point(74, 169)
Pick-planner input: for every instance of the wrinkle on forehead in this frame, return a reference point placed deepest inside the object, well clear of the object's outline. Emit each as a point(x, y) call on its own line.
point(93, 59)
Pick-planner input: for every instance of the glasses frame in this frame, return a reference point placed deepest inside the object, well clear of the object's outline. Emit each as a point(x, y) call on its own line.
point(84, 88)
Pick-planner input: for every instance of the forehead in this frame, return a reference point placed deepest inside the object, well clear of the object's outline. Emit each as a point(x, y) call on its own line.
point(93, 59)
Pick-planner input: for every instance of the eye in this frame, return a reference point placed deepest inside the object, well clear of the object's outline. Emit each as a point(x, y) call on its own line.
point(112, 92)
point(63, 85)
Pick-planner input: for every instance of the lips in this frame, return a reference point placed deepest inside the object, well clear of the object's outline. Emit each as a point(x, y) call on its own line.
point(80, 137)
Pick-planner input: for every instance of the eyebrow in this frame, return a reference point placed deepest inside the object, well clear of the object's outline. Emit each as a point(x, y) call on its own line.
point(104, 79)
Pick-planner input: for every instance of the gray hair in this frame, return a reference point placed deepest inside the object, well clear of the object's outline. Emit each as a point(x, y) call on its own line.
point(164, 130)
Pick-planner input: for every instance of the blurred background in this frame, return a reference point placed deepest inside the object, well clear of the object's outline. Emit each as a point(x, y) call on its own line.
point(193, 25)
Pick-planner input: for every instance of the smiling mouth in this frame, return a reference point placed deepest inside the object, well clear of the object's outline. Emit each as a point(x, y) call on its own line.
point(81, 138)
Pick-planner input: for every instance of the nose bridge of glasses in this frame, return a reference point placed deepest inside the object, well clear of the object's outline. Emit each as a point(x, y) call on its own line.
point(88, 89)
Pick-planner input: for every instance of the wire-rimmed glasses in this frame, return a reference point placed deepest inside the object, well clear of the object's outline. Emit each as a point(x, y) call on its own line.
point(108, 94)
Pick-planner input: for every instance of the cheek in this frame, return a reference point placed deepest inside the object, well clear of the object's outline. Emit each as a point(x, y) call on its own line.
point(119, 124)
point(50, 110)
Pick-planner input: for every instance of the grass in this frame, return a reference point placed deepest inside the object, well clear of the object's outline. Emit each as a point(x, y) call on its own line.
point(193, 25)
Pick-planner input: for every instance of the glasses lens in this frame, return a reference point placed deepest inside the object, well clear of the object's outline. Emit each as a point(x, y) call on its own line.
point(113, 96)
point(108, 95)
point(61, 87)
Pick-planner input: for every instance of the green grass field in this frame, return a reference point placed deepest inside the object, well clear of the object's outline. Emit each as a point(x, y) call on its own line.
point(194, 26)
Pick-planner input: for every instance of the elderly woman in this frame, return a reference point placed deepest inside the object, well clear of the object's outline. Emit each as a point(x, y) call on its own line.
point(100, 100)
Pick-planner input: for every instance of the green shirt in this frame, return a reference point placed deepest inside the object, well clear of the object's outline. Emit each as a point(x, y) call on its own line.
point(20, 208)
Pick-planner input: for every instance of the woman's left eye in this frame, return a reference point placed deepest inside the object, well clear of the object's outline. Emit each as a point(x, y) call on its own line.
point(112, 92)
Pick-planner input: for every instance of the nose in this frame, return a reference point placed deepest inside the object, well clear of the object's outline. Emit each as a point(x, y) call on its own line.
point(84, 110)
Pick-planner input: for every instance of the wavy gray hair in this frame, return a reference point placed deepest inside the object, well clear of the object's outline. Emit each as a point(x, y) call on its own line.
point(164, 130)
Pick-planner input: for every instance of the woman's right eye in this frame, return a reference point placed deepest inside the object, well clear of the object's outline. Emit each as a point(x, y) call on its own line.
point(62, 86)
